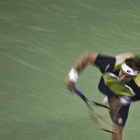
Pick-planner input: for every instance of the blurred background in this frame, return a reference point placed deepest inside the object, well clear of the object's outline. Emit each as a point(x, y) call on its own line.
point(40, 40)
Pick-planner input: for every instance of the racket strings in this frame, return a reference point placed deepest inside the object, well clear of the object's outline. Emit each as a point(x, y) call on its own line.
point(103, 116)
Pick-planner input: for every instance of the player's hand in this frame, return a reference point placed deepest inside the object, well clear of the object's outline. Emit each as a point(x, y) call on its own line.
point(125, 100)
point(69, 84)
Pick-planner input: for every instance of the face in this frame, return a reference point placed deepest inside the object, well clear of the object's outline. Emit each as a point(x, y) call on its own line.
point(124, 78)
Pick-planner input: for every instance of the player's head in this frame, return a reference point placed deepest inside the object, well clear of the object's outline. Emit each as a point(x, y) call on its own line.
point(129, 69)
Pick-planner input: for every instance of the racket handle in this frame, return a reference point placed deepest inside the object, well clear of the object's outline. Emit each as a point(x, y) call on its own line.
point(79, 93)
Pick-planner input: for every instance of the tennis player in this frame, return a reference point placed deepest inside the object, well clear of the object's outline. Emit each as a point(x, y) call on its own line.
point(120, 82)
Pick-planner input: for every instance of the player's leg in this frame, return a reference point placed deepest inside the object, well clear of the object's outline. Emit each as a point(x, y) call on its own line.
point(119, 124)
point(119, 129)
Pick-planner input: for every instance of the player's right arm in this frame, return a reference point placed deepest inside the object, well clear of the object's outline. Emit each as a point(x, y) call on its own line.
point(86, 58)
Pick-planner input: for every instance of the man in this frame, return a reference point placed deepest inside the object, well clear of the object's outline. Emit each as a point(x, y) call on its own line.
point(120, 81)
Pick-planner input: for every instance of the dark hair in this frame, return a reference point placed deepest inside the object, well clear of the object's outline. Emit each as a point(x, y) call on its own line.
point(133, 62)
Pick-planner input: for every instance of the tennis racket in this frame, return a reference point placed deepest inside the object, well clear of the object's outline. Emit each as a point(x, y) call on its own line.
point(102, 115)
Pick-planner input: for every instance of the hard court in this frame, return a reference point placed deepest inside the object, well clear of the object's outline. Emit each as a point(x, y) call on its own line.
point(40, 40)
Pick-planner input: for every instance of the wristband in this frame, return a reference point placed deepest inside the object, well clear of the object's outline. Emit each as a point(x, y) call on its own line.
point(73, 75)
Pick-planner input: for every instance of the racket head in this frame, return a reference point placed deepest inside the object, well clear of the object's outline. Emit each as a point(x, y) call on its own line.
point(103, 116)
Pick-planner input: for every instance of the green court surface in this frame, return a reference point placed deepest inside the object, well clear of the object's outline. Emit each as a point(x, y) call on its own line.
point(40, 40)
